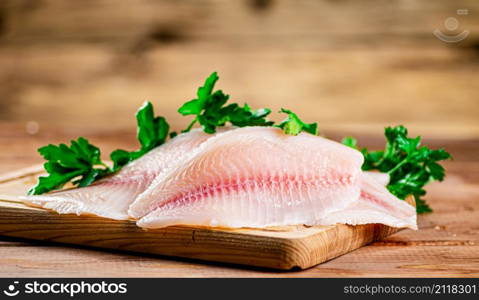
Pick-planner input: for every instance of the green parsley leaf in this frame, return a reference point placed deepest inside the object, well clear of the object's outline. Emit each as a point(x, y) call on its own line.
point(120, 158)
point(67, 163)
point(294, 125)
point(350, 142)
point(410, 166)
point(244, 116)
point(152, 131)
point(211, 111)
point(207, 107)
point(214, 114)
point(195, 106)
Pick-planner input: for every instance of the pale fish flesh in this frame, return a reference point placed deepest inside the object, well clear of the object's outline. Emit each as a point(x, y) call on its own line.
point(260, 177)
point(254, 177)
point(110, 197)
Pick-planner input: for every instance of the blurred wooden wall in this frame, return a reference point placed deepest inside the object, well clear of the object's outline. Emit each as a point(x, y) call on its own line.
point(351, 65)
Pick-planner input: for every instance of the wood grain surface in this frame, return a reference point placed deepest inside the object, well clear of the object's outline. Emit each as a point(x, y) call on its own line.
point(446, 244)
point(358, 66)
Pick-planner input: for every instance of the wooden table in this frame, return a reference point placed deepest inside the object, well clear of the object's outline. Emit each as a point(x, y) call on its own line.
point(447, 243)
point(82, 68)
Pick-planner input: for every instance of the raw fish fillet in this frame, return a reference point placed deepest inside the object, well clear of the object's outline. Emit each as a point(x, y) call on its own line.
point(375, 205)
point(110, 197)
point(260, 177)
point(254, 177)
point(381, 178)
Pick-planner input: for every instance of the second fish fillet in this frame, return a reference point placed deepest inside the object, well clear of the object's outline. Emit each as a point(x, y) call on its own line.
point(375, 205)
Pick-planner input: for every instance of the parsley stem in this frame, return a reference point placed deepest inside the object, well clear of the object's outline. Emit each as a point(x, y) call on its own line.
point(398, 166)
point(191, 125)
point(106, 166)
point(389, 151)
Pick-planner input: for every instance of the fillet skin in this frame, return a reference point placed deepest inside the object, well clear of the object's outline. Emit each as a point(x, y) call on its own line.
point(110, 197)
point(254, 177)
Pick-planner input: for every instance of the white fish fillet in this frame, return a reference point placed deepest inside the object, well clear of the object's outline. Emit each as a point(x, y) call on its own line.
point(375, 205)
point(110, 197)
point(381, 178)
point(259, 177)
point(254, 177)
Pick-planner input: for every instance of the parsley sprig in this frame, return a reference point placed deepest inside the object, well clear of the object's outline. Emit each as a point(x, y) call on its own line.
point(81, 161)
point(210, 109)
point(410, 166)
point(151, 132)
point(294, 125)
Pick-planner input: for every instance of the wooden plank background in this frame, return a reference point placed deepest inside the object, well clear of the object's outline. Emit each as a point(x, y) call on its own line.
point(70, 68)
point(354, 65)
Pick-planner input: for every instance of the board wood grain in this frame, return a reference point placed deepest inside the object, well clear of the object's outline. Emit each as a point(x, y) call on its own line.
point(285, 247)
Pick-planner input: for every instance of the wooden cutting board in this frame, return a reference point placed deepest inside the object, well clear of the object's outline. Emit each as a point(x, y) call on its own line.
point(277, 247)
